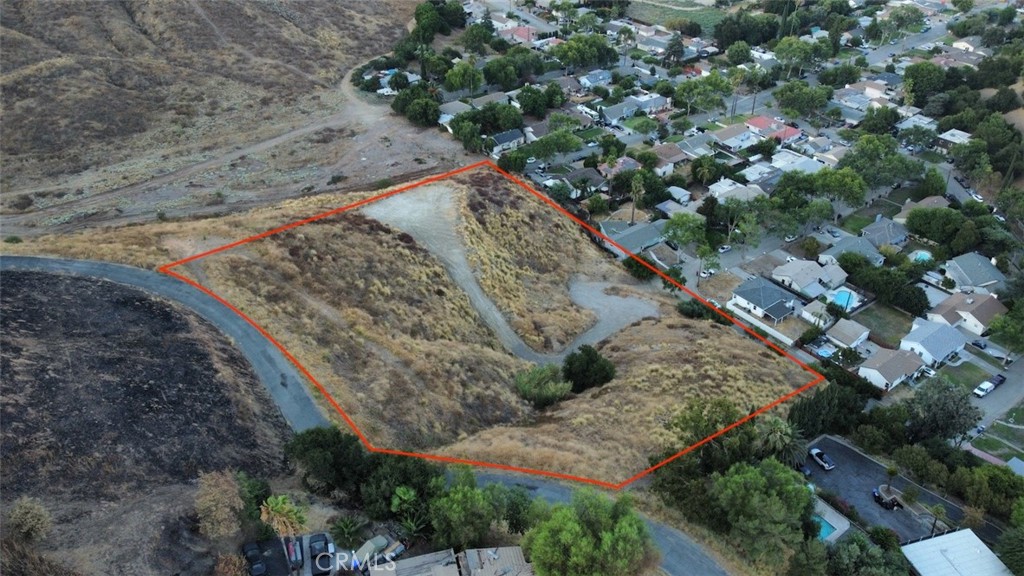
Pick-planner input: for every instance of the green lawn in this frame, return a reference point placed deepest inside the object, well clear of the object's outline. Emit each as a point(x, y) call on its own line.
point(590, 133)
point(988, 359)
point(632, 122)
point(651, 14)
point(995, 447)
point(730, 120)
point(966, 375)
point(675, 138)
point(854, 223)
point(1015, 415)
point(886, 323)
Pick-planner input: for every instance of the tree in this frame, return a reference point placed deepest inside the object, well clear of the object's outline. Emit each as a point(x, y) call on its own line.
point(675, 274)
point(28, 520)
point(765, 506)
point(1010, 549)
point(708, 257)
point(645, 125)
point(462, 517)
point(218, 504)
point(1004, 100)
point(880, 120)
point(597, 205)
point(347, 531)
point(738, 53)
point(423, 112)
point(918, 136)
point(636, 194)
point(839, 76)
point(462, 76)
point(925, 79)
point(781, 440)
point(283, 516)
point(1010, 327)
point(533, 102)
point(476, 37)
point(799, 99)
point(703, 93)
point(964, 6)
point(942, 409)
point(855, 554)
point(585, 50)
point(793, 53)
point(330, 462)
point(587, 368)
point(810, 559)
point(593, 536)
point(877, 160)
point(844, 185)
point(684, 229)
point(542, 385)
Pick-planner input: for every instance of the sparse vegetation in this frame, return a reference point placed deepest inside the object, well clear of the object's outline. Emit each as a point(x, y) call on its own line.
point(542, 386)
point(28, 520)
point(218, 504)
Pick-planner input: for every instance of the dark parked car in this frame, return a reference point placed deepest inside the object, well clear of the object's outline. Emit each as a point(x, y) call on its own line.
point(320, 555)
point(254, 557)
point(890, 504)
point(980, 344)
point(821, 459)
point(997, 379)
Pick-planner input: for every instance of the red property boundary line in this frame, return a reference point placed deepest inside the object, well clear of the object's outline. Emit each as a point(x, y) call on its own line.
point(167, 269)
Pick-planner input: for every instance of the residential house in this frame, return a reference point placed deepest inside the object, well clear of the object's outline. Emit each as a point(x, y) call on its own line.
point(763, 299)
point(670, 207)
point(736, 137)
point(853, 99)
point(816, 144)
point(968, 43)
point(503, 561)
point(891, 80)
point(495, 97)
point(851, 117)
point(449, 110)
point(869, 88)
point(651, 103)
point(669, 155)
point(809, 278)
point(441, 563)
point(853, 244)
point(832, 156)
point(596, 78)
point(790, 161)
point(546, 44)
point(588, 178)
point(626, 239)
point(698, 145)
point(621, 165)
point(770, 128)
point(888, 368)
point(508, 140)
point(952, 137)
point(763, 174)
point(917, 120)
point(929, 202)
point(653, 45)
point(847, 333)
point(681, 195)
point(758, 53)
point(953, 553)
point(726, 188)
point(816, 312)
point(885, 232)
point(933, 342)
point(616, 113)
point(502, 22)
point(569, 85)
point(973, 273)
point(973, 312)
point(612, 27)
point(519, 34)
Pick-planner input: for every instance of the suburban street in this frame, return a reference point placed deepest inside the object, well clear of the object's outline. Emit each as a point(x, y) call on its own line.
point(292, 394)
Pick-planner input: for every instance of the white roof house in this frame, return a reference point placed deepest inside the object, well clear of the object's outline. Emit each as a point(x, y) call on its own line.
point(816, 312)
point(809, 278)
point(887, 368)
point(933, 342)
point(726, 188)
point(847, 333)
point(954, 554)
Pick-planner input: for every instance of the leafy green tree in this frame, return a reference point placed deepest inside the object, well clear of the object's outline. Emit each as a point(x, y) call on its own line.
point(281, 514)
point(1010, 327)
point(880, 120)
point(800, 99)
point(1010, 549)
point(330, 461)
point(925, 79)
point(462, 517)
point(591, 537)
point(877, 160)
point(423, 112)
point(840, 76)
point(766, 507)
point(964, 6)
point(542, 385)
point(347, 531)
point(942, 409)
point(684, 229)
point(533, 102)
point(844, 185)
point(738, 53)
point(462, 76)
point(597, 205)
point(703, 93)
point(587, 368)
point(793, 53)
point(585, 50)
point(391, 472)
point(810, 559)
point(476, 37)
point(856, 555)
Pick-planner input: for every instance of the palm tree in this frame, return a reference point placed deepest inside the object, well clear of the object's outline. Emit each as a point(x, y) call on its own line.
point(283, 516)
point(890, 472)
point(938, 512)
point(781, 439)
point(636, 193)
point(346, 530)
point(704, 169)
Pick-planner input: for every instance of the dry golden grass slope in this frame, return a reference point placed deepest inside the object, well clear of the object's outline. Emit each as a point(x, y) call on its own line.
point(525, 254)
point(87, 83)
point(610, 432)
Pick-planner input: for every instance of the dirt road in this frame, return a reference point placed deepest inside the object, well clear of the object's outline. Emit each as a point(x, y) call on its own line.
point(430, 216)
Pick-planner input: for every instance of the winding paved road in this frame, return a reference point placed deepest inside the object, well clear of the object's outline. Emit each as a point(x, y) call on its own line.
point(681, 556)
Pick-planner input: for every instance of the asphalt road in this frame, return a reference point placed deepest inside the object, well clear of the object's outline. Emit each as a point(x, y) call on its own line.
point(681, 556)
point(856, 474)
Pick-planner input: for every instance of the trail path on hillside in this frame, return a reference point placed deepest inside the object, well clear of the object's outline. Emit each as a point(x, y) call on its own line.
point(429, 215)
point(680, 555)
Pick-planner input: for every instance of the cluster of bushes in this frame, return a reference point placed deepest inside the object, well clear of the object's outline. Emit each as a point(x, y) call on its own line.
point(892, 286)
point(699, 311)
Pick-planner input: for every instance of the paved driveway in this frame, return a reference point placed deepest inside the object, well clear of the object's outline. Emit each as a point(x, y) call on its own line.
point(856, 474)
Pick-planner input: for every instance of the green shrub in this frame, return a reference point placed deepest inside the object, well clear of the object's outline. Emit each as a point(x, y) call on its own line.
point(13, 240)
point(699, 311)
point(542, 386)
point(886, 538)
point(638, 270)
point(586, 368)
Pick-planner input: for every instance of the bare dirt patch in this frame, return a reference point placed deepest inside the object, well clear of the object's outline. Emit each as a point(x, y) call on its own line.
point(112, 402)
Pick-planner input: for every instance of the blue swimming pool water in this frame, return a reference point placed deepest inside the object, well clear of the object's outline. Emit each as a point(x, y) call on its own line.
point(843, 298)
point(826, 529)
point(824, 353)
point(922, 256)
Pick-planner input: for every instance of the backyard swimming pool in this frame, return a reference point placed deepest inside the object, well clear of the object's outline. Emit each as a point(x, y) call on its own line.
point(920, 256)
point(825, 529)
point(845, 299)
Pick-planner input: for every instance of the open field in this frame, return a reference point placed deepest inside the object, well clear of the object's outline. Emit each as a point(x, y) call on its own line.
point(1001, 441)
point(376, 317)
point(659, 11)
point(608, 433)
point(966, 375)
point(162, 397)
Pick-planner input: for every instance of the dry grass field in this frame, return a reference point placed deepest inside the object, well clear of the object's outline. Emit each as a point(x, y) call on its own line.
point(610, 432)
point(375, 317)
point(525, 254)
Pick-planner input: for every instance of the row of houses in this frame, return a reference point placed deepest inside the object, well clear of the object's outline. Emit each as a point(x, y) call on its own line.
point(503, 561)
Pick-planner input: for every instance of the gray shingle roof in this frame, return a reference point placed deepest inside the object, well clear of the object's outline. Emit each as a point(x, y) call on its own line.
point(893, 364)
point(939, 340)
point(766, 296)
point(884, 231)
point(973, 269)
point(508, 136)
point(857, 245)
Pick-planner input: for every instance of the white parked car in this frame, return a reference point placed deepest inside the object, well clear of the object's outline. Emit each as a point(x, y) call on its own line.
point(977, 197)
point(531, 160)
point(984, 388)
point(928, 372)
point(724, 248)
point(790, 238)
